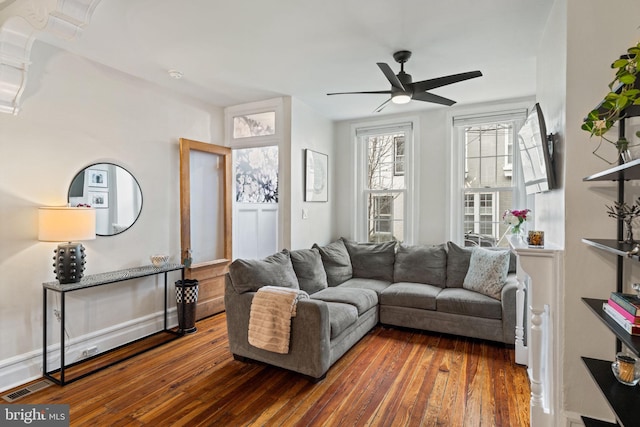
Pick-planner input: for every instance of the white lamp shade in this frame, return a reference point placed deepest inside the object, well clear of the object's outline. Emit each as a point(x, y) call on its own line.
point(66, 224)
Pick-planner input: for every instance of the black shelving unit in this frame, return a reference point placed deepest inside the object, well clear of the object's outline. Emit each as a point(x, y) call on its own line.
point(623, 400)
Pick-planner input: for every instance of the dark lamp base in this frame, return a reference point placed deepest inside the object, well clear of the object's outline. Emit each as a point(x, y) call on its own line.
point(69, 262)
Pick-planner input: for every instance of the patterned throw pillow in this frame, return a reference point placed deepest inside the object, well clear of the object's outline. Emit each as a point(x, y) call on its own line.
point(487, 272)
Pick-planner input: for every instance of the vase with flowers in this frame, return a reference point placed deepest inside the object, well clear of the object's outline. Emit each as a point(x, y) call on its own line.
point(515, 219)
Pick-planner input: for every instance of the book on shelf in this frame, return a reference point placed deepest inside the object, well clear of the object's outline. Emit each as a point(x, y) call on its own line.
point(630, 317)
point(629, 327)
point(630, 302)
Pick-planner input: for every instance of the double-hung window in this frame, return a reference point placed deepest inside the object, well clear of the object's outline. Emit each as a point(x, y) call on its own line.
point(384, 183)
point(488, 146)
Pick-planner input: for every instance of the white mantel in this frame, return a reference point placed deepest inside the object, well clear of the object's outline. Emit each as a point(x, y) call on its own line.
point(539, 274)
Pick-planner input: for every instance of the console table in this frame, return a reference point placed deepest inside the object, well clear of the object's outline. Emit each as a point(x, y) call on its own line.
point(58, 375)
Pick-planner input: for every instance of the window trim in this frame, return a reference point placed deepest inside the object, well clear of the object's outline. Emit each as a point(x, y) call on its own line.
point(456, 119)
point(412, 153)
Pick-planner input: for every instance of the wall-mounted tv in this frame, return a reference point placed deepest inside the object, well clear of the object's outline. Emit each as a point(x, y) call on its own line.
point(536, 153)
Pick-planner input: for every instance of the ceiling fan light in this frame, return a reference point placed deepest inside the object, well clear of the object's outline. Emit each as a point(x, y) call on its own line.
point(400, 98)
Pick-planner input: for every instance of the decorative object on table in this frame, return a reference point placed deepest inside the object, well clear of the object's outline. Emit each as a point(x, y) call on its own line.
point(623, 93)
point(625, 213)
point(186, 299)
point(536, 239)
point(316, 177)
point(515, 219)
point(159, 260)
point(626, 369)
point(65, 224)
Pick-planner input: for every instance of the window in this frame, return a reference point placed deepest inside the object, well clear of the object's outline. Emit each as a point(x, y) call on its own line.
point(489, 184)
point(384, 183)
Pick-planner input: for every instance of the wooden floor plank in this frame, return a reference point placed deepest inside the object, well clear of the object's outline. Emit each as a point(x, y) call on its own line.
point(392, 377)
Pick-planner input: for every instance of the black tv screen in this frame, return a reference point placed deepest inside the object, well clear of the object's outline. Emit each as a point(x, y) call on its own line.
point(536, 153)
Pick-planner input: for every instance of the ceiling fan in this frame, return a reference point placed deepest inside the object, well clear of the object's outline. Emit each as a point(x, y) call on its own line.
point(404, 90)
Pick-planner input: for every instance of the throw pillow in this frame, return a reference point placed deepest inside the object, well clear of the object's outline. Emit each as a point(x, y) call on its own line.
point(457, 264)
point(307, 263)
point(421, 264)
point(336, 261)
point(487, 272)
point(372, 260)
point(249, 275)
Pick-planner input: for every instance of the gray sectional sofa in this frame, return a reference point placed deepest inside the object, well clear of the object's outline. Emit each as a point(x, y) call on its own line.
point(353, 286)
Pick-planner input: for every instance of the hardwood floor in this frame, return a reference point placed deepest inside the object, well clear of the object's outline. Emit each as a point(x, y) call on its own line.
point(391, 377)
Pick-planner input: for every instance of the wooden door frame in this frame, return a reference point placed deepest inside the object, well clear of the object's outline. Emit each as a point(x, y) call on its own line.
point(218, 267)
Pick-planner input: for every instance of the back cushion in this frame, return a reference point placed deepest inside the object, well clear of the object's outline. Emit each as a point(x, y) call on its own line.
point(421, 264)
point(457, 264)
point(336, 261)
point(249, 275)
point(372, 260)
point(307, 263)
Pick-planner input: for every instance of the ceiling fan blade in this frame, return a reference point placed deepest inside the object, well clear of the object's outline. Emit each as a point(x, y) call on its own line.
point(381, 106)
point(353, 93)
point(393, 79)
point(429, 97)
point(443, 81)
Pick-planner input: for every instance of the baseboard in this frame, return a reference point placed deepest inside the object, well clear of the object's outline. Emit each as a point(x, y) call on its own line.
point(21, 369)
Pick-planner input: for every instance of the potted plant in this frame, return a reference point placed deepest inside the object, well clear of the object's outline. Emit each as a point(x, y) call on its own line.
point(624, 92)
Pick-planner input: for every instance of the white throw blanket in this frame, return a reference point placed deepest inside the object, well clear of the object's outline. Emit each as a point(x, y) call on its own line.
point(270, 318)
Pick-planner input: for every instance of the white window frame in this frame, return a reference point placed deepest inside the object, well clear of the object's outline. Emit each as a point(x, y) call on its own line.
point(510, 111)
point(411, 153)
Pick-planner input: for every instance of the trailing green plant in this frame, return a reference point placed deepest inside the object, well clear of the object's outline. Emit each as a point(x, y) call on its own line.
point(623, 93)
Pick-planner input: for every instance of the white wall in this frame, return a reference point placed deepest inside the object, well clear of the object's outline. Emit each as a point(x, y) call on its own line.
point(597, 33)
point(75, 113)
point(313, 131)
point(551, 89)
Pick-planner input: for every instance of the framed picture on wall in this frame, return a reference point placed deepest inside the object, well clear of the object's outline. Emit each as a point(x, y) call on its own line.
point(98, 178)
point(316, 177)
point(99, 199)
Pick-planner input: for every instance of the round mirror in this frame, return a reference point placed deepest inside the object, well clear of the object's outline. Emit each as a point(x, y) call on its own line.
point(112, 191)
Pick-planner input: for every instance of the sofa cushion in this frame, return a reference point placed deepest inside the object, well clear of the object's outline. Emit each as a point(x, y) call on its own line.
point(372, 260)
point(251, 274)
point(468, 303)
point(374, 284)
point(341, 316)
point(307, 264)
point(362, 299)
point(336, 261)
point(457, 264)
point(421, 264)
point(413, 295)
point(487, 272)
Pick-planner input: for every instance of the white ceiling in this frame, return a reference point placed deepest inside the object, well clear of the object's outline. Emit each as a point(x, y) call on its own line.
point(233, 52)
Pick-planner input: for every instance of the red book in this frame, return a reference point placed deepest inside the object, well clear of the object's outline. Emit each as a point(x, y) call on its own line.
point(630, 317)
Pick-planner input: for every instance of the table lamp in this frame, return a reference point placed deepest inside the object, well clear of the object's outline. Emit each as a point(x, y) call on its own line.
point(66, 224)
